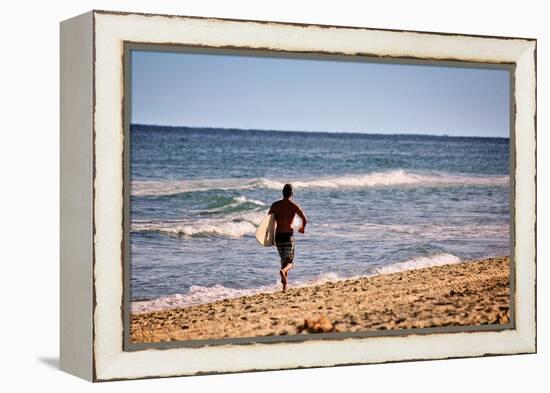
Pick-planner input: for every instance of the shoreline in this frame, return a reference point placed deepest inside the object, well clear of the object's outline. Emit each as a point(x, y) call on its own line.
point(468, 293)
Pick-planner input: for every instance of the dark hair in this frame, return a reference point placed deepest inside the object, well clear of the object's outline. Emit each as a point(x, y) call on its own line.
point(287, 190)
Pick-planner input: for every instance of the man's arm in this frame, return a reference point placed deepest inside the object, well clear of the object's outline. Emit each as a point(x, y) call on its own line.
point(302, 215)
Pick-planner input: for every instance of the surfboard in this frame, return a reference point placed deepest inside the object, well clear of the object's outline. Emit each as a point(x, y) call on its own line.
point(265, 234)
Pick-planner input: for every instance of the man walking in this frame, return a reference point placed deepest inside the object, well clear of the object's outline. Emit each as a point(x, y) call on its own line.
point(285, 210)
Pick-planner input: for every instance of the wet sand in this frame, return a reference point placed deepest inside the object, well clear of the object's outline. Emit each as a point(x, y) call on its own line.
point(469, 293)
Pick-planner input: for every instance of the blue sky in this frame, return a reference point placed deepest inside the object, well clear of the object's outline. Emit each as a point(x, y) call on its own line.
point(228, 91)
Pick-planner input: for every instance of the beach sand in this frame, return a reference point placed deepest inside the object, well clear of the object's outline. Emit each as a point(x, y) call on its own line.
point(469, 293)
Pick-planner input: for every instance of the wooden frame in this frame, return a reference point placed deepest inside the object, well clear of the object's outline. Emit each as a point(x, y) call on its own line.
point(92, 193)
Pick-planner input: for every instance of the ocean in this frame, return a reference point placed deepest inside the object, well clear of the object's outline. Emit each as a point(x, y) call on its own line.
point(375, 203)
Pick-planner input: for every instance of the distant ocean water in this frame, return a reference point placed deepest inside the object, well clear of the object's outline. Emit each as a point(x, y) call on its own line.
point(375, 203)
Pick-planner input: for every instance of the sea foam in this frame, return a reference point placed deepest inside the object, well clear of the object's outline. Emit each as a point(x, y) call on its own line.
point(393, 178)
point(233, 226)
point(202, 295)
point(419, 263)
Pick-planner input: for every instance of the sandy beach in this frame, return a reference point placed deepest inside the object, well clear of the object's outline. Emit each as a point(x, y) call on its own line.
point(469, 293)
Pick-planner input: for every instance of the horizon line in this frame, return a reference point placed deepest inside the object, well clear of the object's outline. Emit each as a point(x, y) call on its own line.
point(316, 132)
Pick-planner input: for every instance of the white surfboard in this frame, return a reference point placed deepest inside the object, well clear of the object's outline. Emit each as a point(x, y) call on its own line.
point(265, 234)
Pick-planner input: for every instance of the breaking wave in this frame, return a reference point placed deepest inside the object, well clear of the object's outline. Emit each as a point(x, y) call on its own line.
point(234, 226)
point(419, 263)
point(202, 295)
point(394, 178)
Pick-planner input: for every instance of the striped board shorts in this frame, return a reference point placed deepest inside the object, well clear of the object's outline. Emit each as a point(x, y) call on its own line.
point(285, 246)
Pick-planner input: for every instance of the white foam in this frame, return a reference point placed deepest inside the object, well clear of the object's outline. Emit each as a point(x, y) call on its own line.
point(234, 226)
point(401, 178)
point(235, 202)
point(243, 199)
point(173, 187)
point(419, 263)
point(398, 177)
point(321, 279)
point(203, 295)
point(197, 295)
point(228, 229)
point(265, 183)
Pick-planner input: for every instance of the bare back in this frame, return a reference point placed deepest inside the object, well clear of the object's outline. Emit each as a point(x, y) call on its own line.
point(285, 210)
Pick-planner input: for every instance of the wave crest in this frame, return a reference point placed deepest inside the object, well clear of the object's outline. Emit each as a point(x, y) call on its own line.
point(232, 227)
point(398, 177)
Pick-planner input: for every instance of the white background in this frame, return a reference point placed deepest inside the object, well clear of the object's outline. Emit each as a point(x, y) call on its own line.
point(29, 204)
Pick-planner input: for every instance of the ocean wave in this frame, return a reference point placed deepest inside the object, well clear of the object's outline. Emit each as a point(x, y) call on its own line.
point(234, 226)
point(175, 187)
point(202, 295)
point(419, 263)
point(393, 178)
point(197, 295)
point(243, 199)
point(228, 205)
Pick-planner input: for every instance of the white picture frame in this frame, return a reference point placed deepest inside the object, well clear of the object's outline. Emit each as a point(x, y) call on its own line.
point(92, 273)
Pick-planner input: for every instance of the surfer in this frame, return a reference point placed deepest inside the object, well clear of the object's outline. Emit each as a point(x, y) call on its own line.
point(285, 210)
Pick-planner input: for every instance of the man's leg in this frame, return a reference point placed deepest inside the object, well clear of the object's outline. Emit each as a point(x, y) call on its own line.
point(284, 274)
point(283, 278)
point(281, 250)
point(287, 268)
point(286, 252)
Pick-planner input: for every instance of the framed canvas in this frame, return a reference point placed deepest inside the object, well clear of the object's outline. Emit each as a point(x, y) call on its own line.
point(243, 195)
